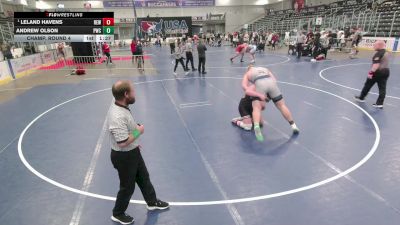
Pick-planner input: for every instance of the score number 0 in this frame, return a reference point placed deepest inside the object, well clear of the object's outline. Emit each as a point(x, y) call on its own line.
point(108, 25)
point(108, 21)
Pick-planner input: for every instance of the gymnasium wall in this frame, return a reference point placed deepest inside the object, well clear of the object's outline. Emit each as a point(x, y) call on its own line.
point(236, 16)
point(237, 13)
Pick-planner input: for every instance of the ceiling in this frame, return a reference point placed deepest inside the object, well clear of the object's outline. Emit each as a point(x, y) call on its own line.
point(217, 2)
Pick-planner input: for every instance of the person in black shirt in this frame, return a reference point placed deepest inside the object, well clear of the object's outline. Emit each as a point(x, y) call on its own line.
point(316, 50)
point(357, 36)
point(379, 74)
point(201, 50)
point(245, 121)
point(310, 36)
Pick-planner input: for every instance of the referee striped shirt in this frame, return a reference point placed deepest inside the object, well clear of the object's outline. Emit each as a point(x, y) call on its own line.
point(120, 125)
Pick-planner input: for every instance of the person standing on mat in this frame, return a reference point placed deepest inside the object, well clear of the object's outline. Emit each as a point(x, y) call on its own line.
point(125, 154)
point(201, 51)
point(189, 53)
point(179, 58)
point(172, 45)
point(357, 37)
point(266, 88)
point(379, 74)
point(106, 51)
point(133, 50)
point(240, 50)
point(300, 41)
point(245, 48)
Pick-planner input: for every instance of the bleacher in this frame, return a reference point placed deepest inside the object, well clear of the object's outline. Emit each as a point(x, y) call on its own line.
point(382, 21)
point(6, 28)
point(389, 14)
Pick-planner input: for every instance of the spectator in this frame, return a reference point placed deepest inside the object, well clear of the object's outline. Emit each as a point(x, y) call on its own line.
point(310, 36)
point(270, 34)
point(60, 50)
point(6, 50)
point(274, 40)
point(246, 38)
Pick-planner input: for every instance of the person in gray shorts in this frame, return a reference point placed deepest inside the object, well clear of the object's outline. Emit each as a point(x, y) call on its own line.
point(266, 89)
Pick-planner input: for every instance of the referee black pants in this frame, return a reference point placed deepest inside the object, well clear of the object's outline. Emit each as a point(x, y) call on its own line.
point(189, 58)
point(131, 168)
point(109, 60)
point(177, 61)
point(202, 64)
point(381, 76)
point(172, 47)
point(299, 48)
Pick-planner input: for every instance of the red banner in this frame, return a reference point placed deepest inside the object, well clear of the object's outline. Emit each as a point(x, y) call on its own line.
point(298, 5)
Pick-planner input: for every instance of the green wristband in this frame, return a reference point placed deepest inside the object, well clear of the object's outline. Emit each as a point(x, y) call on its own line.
point(136, 133)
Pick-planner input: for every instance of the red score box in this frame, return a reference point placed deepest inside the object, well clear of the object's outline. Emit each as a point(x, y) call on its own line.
point(108, 21)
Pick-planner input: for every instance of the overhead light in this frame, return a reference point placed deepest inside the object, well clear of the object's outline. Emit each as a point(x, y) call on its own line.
point(224, 2)
point(60, 5)
point(262, 2)
point(42, 5)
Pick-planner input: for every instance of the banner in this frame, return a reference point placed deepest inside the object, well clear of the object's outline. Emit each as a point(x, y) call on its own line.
point(25, 65)
point(197, 18)
point(166, 25)
point(124, 20)
point(158, 4)
point(5, 74)
point(367, 43)
point(298, 5)
point(48, 57)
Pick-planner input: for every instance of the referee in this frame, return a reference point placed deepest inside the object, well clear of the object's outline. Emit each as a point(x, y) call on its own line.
point(300, 40)
point(125, 154)
point(379, 74)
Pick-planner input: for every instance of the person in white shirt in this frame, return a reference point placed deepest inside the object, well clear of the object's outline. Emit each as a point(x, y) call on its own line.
point(287, 38)
point(246, 38)
point(300, 41)
point(270, 38)
point(180, 49)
